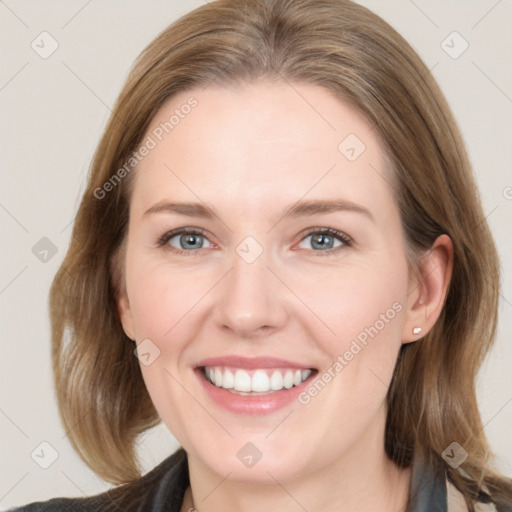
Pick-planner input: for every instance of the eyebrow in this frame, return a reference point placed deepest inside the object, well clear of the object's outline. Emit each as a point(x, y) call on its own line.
point(188, 209)
point(299, 209)
point(303, 208)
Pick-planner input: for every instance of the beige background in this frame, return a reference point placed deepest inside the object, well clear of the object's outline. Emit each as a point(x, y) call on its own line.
point(52, 113)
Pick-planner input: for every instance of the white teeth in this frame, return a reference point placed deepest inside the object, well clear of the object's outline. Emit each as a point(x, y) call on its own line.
point(288, 379)
point(218, 378)
point(260, 381)
point(276, 381)
point(305, 374)
point(242, 381)
point(228, 381)
point(257, 381)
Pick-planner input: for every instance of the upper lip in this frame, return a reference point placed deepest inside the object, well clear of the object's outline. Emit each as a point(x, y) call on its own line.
point(252, 362)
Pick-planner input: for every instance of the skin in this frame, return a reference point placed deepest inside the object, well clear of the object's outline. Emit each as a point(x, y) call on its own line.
point(250, 152)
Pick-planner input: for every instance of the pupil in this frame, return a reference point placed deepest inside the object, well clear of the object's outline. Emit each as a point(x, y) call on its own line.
point(322, 241)
point(189, 241)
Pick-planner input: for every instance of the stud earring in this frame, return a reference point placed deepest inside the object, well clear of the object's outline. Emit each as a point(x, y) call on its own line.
point(416, 330)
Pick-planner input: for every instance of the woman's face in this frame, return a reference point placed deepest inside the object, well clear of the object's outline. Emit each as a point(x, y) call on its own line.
point(292, 267)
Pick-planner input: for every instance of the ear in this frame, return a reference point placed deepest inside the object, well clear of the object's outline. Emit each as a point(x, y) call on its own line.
point(125, 314)
point(124, 311)
point(427, 291)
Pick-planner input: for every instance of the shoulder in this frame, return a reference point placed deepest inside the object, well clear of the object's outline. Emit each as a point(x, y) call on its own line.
point(499, 500)
point(163, 486)
point(65, 505)
point(432, 489)
point(457, 503)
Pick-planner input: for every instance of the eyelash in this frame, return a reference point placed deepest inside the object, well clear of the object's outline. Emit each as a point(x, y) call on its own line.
point(342, 237)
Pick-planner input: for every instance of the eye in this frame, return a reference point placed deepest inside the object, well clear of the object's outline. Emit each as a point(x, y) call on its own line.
point(190, 240)
point(325, 240)
point(184, 240)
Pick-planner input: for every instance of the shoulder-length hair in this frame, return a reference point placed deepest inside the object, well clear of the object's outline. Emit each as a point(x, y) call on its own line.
point(354, 54)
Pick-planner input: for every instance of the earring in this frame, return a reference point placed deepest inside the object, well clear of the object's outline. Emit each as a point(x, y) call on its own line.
point(416, 330)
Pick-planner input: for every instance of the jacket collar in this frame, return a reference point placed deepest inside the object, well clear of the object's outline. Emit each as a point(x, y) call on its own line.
point(430, 490)
point(428, 487)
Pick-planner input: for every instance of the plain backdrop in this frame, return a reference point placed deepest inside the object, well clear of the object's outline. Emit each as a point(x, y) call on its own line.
point(53, 111)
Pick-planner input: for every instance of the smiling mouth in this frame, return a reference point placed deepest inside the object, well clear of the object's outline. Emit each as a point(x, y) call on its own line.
point(254, 382)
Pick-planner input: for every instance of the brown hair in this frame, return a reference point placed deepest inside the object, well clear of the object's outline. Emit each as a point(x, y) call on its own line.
point(353, 53)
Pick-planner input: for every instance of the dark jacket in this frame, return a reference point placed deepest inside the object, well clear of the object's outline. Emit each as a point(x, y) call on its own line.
point(162, 490)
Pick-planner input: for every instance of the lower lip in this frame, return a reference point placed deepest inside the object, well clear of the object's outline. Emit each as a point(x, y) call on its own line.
point(251, 404)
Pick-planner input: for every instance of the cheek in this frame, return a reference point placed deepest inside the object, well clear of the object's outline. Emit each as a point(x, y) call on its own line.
point(162, 301)
point(353, 321)
point(365, 308)
point(360, 303)
point(354, 302)
point(161, 297)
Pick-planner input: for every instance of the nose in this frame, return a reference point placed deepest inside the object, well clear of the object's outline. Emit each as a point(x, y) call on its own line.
point(252, 300)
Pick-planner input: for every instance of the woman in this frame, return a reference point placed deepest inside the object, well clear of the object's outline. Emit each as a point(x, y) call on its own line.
point(281, 220)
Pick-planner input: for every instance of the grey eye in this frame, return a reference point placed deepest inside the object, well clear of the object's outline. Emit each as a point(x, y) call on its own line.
point(188, 241)
point(321, 241)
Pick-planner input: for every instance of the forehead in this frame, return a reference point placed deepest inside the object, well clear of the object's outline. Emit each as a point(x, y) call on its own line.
point(260, 142)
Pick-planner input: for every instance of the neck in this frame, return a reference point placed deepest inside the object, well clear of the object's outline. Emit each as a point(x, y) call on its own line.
point(362, 480)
